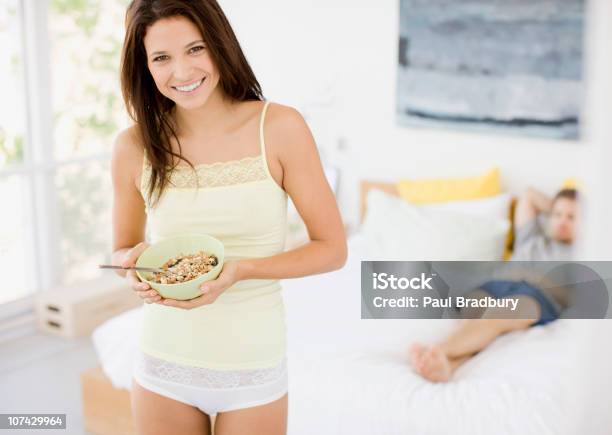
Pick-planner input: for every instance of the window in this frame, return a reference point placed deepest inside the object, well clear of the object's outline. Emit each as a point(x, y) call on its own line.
point(88, 112)
point(15, 241)
point(86, 39)
point(12, 117)
point(61, 109)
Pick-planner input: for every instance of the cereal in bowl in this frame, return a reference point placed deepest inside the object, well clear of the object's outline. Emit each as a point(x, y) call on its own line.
point(184, 268)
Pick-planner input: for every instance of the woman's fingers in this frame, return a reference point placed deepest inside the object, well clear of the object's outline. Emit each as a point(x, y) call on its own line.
point(134, 282)
point(132, 255)
point(152, 300)
point(198, 301)
point(149, 296)
point(142, 289)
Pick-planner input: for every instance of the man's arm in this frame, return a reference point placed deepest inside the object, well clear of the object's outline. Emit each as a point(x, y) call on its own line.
point(530, 204)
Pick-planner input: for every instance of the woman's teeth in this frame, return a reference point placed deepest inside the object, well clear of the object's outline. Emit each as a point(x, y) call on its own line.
point(190, 87)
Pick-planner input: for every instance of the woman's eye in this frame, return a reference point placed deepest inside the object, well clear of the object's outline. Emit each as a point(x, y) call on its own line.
point(191, 50)
point(197, 48)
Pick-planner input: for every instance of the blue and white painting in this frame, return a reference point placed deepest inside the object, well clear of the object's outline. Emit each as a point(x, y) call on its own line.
point(497, 66)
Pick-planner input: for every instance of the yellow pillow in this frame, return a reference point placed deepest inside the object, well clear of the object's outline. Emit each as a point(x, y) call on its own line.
point(570, 183)
point(426, 191)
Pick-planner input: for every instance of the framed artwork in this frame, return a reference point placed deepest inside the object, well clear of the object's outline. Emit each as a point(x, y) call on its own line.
point(492, 66)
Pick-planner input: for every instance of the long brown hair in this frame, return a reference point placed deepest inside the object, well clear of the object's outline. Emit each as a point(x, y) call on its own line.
point(149, 109)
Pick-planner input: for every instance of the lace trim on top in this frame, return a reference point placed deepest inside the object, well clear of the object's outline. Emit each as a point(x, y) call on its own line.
point(207, 378)
point(215, 174)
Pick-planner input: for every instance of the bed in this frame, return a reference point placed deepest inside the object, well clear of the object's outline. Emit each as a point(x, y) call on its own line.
point(351, 376)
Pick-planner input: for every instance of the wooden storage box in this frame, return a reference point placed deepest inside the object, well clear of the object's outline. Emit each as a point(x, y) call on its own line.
point(106, 410)
point(75, 311)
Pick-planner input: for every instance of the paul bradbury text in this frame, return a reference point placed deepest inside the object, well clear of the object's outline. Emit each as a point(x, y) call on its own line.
point(449, 302)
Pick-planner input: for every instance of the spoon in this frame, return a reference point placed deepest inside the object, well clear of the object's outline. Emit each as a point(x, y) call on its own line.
point(143, 269)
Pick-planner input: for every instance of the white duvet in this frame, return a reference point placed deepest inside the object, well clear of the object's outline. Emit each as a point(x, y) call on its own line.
point(351, 376)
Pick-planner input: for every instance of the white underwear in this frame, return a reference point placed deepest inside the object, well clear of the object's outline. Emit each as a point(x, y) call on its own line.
point(211, 391)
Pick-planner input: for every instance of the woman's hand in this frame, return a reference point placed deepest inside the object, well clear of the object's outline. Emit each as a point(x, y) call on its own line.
point(211, 289)
point(142, 289)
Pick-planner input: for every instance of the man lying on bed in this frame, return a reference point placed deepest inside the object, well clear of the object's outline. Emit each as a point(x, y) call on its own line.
point(536, 306)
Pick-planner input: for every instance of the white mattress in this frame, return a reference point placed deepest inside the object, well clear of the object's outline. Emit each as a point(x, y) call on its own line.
point(351, 376)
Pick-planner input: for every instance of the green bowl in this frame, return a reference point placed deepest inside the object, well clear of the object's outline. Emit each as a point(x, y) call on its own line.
point(158, 253)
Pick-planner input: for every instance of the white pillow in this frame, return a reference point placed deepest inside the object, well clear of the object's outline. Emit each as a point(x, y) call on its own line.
point(396, 230)
point(494, 207)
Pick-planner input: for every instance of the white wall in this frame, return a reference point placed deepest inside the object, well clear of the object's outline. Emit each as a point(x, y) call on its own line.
point(598, 238)
point(598, 233)
point(301, 51)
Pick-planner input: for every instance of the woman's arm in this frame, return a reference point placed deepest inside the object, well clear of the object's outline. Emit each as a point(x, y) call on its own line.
point(128, 206)
point(530, 204)
point(304, 180)
point(129, 218)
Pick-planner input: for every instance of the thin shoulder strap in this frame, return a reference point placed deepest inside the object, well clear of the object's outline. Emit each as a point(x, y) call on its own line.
point(262, 144)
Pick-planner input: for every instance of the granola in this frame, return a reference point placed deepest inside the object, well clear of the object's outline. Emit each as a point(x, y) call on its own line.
point(184, 268)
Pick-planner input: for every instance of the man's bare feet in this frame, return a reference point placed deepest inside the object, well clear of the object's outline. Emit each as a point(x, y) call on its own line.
point(431, 363)
point(415, 352)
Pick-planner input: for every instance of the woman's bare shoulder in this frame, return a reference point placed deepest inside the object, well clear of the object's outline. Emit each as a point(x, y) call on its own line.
point(286, 130)
point(280, 115)
point(128, 142)
point(128, 151)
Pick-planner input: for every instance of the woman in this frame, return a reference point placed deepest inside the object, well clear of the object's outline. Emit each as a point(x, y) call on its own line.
point(206, 154)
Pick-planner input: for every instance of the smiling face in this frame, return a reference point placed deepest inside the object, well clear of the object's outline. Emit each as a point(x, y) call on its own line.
point(180, 63)
point(563, 220)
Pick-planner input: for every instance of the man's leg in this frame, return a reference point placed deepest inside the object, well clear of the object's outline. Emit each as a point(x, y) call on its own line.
point(438, 362)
